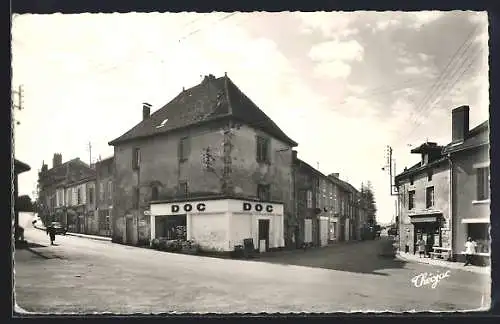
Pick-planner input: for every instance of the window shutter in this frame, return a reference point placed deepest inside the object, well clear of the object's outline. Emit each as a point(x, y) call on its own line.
point(257, 148)
point(268, 150)
point(479, 184)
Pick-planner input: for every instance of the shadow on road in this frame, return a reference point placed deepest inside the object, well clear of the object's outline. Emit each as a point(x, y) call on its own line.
point(362, 257)
point(29, 245)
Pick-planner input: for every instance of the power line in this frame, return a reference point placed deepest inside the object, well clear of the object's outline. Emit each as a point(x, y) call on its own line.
point(182, 38)
point(420, 107)
point(449, 88)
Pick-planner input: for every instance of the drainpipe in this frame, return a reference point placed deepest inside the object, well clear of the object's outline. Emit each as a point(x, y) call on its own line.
point(451, 213)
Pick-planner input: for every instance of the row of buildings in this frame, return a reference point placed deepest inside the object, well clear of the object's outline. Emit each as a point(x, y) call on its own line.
point(211, 167)
point(445, 197)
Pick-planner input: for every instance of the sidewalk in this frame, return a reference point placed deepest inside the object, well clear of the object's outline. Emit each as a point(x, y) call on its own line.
point(91, 237)
point(442, 263)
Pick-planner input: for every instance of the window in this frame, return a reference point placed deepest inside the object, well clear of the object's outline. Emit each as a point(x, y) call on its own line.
point(429, 197)
point(101, 191)
point(136, 158)
point(136, 198)
point(110, 190)
point(110, 168)
point(263, 192)
point(480, 233)
point(483, 183)
point(411, 199)
point(183, 149)
point(263, 149)
point(183, 188)
point(154, 193)
point(309, 199)
point(91, 195)
point(429, 175)
point(68, 197)
point(78, 196)
point(411, 181)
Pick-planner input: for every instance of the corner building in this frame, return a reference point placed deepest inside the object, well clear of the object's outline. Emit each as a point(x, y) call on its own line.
point(210, 145)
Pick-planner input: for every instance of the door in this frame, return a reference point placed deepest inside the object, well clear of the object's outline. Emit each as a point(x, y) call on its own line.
point(130, 230)
point(264, 234)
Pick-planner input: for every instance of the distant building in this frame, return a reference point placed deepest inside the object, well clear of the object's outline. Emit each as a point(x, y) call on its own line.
point(469, 157)
point(424, 197)
point(210, 147)
point(104, 194)
point(54, 188)
point(328, 209)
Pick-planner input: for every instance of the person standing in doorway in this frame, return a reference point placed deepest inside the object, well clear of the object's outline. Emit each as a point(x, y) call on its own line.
point(421, 246)
point(470, 250)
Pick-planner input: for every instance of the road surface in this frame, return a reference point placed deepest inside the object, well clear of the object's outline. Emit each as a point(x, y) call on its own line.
point(79, 275)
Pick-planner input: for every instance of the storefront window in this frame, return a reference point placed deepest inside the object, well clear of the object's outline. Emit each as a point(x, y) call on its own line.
point(480, 234)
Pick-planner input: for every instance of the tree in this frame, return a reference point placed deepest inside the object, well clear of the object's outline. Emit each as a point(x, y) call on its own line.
point(24, 204)
point(369, 198)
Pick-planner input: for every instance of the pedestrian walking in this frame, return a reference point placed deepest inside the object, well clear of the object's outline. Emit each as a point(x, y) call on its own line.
point(470, 250)
point(421, 246)
point(51, 231)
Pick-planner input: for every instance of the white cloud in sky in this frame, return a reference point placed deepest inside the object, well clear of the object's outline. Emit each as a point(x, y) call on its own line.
point(425, 17)
point(337, 50)
point(328, 23)
point(414, 70)
point(386, 23)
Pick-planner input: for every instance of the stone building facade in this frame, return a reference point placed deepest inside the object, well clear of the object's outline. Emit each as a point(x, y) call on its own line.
point(210, 140)
point(104, 195)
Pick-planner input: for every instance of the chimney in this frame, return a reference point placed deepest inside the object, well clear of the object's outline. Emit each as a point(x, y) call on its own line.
point(459, 124)
point(146, 110)
point(57, 160)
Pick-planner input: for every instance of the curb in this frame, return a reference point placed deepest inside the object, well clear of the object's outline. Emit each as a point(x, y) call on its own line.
point(449, 265)
point(96, 238)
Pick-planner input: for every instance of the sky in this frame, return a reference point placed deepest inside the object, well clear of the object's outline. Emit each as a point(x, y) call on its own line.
point(344, 85)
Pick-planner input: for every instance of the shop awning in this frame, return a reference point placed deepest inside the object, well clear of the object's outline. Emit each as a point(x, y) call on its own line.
point(475, 221)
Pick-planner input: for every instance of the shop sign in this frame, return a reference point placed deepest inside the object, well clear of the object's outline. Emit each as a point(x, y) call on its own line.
point(188, 207)
point(257, 207)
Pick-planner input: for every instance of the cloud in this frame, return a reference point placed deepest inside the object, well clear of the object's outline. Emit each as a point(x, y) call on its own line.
point(328, 23)
point(385, 24)
point(337, 50)
point(414, 70)
point(333, 69)
point(423, 18)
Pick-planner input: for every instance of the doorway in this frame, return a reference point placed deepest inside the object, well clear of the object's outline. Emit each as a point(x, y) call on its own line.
point(129, 230)
point(264, 234)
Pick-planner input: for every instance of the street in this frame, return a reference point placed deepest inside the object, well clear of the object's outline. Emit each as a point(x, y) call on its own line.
point(85, 276)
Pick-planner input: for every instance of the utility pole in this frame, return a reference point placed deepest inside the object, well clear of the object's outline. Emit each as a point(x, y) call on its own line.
point(389, 168)
point(19, 105)
point(90, 154)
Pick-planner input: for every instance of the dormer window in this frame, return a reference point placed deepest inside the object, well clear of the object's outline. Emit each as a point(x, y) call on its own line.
point(162, 123)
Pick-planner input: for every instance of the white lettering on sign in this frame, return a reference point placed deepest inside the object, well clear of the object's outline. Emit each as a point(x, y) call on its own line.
point(188, 207)
point(425, 278)
point(257, 207)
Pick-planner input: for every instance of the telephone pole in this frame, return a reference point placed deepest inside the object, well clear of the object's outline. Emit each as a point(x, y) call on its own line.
point(19, 105)
point(389, 167)
point(90, 154)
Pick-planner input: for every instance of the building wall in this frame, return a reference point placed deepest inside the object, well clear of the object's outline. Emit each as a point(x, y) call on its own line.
point(210, 231)
point(247, 173)
point(159, 166)
point(104, 195)
point(465, 192)
point(441, 182)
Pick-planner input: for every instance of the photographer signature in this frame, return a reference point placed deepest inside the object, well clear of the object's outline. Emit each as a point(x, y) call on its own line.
point(427, 278)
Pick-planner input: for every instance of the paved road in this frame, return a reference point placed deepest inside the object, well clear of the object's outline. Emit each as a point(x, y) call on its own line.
point(84, 276)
